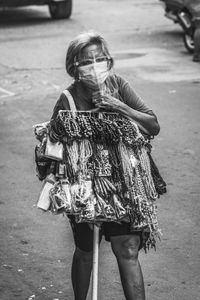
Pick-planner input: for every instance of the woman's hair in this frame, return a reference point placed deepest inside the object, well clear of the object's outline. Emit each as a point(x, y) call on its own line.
point(77, 46)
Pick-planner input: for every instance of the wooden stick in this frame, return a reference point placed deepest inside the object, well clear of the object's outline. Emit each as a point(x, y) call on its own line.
point(95, 262)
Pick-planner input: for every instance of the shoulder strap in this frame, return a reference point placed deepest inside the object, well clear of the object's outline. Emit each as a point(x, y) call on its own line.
point(70, 99)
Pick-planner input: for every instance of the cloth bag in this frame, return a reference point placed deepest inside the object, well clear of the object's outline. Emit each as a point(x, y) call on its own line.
point(44, 199)
point(160, 184)
point(54, 150)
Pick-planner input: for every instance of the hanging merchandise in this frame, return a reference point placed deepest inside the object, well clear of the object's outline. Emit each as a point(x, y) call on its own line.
point(60, 197)
point(44, 201)
point(101, 170)
point(42, 163)
point(53, 150)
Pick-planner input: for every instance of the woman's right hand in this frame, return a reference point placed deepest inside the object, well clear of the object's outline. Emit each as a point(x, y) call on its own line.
point(96, 97)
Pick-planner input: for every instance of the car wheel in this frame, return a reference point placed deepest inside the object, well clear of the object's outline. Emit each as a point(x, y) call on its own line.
point(60, 10)
point(188, 42)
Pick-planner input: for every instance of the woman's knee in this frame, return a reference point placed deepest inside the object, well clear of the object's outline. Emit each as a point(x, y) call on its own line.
point(84, 256)
point(126, 247)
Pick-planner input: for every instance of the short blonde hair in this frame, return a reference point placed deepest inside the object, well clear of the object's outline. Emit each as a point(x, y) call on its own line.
point(76, 47)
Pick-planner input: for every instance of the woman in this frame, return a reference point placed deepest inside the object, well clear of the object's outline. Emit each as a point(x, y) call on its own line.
point(95, 88)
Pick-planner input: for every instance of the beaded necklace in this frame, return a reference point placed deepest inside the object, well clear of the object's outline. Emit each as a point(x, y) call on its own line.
point(85, 150)
point(79, 125)
point(73, 153)
point(108, 169)
point(145, 164)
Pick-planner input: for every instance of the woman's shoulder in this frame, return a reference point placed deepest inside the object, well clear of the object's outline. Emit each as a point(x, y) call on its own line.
point(117, 78)
point(70, 88)
point(117, 82)
point(63, 95)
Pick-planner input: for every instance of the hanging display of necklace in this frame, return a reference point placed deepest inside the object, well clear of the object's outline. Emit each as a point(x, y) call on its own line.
point(104, 174)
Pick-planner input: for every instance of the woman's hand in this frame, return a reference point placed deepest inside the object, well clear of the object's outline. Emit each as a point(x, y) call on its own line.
point(107, 102)
point(146, 122)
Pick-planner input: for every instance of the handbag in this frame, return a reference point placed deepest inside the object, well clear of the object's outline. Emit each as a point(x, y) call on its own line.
point(54, 150)
point(160, 184)
point(42, 163)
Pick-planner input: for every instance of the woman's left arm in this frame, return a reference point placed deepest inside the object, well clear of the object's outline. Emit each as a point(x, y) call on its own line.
point(147, 122)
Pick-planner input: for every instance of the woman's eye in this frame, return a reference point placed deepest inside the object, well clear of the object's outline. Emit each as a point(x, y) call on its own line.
point(85, 63)
point(100, 59)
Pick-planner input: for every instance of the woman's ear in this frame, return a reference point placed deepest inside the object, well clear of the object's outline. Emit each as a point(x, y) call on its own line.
point(110, 63)
point(76, 73)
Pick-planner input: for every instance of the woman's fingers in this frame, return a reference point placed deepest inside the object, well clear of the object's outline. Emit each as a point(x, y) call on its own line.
point(105, 101)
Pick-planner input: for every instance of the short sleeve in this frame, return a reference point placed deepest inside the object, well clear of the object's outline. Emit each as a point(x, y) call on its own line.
point(61, 104)
point(130, 97)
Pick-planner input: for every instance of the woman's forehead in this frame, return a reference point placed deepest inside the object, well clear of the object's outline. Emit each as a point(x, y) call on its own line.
point(91, 51)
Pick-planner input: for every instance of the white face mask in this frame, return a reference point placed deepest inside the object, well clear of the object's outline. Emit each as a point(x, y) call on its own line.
point(94, 74)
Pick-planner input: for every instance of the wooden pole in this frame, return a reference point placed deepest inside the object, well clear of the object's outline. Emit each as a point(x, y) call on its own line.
point(95, 262)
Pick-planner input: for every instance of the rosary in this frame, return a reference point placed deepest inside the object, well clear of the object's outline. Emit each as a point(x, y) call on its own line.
point(105, 173)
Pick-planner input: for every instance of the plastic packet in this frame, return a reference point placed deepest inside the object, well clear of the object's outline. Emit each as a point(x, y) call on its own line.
point(44, 201)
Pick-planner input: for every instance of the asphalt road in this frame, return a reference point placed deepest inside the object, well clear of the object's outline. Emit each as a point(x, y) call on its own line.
point(36, 248)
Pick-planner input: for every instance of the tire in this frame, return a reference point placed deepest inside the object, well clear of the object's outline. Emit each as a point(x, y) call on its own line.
point(188, 42)
point(60, 10)
point(196, 56)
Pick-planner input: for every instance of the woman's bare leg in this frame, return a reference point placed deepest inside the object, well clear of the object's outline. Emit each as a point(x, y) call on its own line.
point(125, 249)
point(81, 272)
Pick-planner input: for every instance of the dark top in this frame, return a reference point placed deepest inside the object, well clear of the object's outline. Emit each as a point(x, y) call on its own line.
point(118, 87)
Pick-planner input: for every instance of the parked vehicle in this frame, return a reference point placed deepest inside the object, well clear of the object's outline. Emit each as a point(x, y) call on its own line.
point(59, 9)
point(187, 14)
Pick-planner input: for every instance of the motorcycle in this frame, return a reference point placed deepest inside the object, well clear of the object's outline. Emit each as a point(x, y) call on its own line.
point(186, 13)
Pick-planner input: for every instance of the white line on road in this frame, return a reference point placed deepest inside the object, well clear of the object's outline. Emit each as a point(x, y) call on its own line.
point(5, 93)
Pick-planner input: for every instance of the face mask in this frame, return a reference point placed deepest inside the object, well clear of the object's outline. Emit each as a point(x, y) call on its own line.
point(94, 74)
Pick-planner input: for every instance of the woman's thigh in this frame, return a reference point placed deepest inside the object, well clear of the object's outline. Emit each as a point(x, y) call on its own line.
point(83, 235)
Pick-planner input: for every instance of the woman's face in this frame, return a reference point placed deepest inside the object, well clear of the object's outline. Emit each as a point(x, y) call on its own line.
point(93, 67)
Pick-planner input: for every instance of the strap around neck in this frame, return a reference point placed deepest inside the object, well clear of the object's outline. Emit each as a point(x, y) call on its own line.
point(70, 100)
